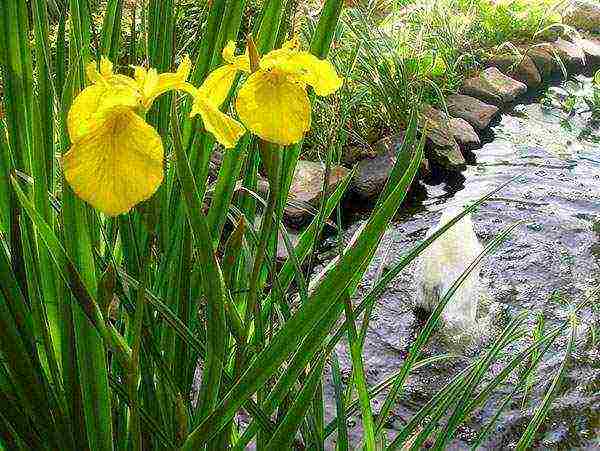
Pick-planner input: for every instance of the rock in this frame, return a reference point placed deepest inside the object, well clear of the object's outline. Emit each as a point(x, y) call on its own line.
point(354, 154)
point(591, 48)
point(306, 188)
point(464, 134)
point(570, 54)
point(583, 15)
point(493, 86)
point(441, 144)
point(214, 164)
point(474, 111)
point(372, 173)
point(521, 68)
point(282, 252)
point(545, 61)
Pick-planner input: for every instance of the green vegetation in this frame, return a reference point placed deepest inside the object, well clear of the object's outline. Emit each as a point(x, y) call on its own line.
point(419, 51)
point(155, 329)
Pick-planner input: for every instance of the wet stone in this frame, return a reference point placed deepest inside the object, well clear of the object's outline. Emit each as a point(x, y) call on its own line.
point(493, 86)
point(591, 48)
point(305, 190)
point(372, 173)
point(545, 62)
point(441, 144)
point(354, 154)
point(472, 110)
point(282, 252)
point(464, 134)
point(571, 54)
point(520, 68)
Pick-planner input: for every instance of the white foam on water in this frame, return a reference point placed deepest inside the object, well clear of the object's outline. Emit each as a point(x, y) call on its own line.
point(442, 263)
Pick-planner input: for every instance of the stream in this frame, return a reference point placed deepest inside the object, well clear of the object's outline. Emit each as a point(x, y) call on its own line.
point(550, 263)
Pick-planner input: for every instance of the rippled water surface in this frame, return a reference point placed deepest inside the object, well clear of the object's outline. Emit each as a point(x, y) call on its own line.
point(548, 264)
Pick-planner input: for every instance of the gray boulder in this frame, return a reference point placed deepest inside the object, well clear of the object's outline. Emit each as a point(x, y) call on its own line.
point(464, 134)
point(305, 189)
point(493, 86)
point(441, 144)
point(572, 55)
point(372, 173)
point(521, 68)
point(545, 61)
point(472, 110)
point(591, 48)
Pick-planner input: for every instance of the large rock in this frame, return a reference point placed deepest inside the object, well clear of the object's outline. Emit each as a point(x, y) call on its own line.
point(493, 86)
point(282, 251)
point(354, 153)
point(572, 56)
point(464, 134)
point(372, 173)
point(441, 145)
point(584, 15)
point(591, 48)
point(521, 68)
point(306, 188)
point(545, 61)
point(474, 111)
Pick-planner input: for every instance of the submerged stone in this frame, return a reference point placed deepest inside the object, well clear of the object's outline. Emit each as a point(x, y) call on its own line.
point(493, 86)
point(472, 110)
point(442, 263)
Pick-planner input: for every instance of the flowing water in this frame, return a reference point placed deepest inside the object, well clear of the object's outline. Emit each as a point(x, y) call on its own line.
point(549, 263)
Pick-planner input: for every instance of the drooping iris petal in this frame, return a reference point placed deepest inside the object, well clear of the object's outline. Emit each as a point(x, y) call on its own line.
point(117, 164)
point(106, 67)
point(318, 73)
point(97, 102)
point(226, 130)
point(217, 85)
point(274, 107)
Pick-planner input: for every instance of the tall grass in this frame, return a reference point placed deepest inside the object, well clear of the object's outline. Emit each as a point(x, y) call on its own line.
point(398, 53)
point(158, 328)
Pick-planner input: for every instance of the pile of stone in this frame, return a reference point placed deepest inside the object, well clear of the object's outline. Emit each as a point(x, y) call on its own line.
point(452, 133)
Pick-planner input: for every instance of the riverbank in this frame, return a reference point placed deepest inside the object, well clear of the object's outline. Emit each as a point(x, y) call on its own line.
point(459, 121)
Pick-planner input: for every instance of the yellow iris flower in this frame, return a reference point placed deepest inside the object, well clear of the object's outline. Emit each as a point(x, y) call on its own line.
point(273, 103)
point(116, 158)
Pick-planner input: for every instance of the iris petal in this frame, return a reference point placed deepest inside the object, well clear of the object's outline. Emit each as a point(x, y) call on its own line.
point(95, 104)
point(274, 107)
point(240, 62)
point(117, 165)
point(225, 129)
point(153, 85)
point(217, 85)
point(304, 66)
